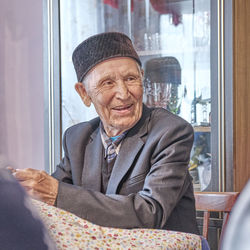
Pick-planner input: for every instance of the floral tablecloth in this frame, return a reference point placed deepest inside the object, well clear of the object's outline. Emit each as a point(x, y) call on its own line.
point(71, 232)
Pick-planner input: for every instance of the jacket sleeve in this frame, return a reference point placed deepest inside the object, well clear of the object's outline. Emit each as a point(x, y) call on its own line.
point(63, 171)
point(165, 184)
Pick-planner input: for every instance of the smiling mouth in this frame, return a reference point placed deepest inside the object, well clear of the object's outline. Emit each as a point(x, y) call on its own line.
point(123, 108)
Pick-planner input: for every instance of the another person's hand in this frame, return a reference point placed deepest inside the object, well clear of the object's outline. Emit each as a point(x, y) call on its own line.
point(38, 184)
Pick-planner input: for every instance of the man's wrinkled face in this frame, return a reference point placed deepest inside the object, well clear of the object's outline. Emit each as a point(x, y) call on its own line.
point(115, 88)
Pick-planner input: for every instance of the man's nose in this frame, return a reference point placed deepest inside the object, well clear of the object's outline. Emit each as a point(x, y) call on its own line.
point(122, 91)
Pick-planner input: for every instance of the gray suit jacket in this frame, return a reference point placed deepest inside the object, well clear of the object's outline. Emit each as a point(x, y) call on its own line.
point(150, 185)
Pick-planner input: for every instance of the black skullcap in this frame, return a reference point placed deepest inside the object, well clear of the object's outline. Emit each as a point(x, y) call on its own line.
point(99, 48)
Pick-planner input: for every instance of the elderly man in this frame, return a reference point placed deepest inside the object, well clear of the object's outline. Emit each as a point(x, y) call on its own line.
point(128, 168)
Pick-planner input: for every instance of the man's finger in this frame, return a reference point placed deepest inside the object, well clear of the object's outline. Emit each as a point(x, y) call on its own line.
point(32, 193)
point(28, 184)
point(26, 174)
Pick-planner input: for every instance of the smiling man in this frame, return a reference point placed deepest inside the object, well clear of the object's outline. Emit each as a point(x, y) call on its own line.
point(127, 168)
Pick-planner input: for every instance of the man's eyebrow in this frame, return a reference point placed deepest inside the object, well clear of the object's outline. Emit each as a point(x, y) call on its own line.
point(112, 77)
point(104, 78)
point(129, 72)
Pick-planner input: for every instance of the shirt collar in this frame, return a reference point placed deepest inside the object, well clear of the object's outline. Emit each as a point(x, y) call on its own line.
point(108, 141)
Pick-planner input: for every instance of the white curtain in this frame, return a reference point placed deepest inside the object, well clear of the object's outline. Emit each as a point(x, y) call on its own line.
point(21, 84)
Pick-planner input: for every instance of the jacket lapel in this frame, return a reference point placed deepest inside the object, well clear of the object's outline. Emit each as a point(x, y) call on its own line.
point(91, 175)
point(130, 147)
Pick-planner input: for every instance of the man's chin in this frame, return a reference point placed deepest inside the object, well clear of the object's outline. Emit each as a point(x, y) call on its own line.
point(124, 125)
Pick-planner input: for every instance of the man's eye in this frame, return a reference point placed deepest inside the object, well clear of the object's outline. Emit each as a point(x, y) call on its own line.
point(107, 83)
point(131, 78)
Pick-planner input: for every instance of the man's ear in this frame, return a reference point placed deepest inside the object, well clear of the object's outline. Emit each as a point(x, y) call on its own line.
point(81, 90)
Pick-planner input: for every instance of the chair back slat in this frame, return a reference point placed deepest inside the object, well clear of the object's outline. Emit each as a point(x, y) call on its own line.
point(214, 202)
point(205, 223)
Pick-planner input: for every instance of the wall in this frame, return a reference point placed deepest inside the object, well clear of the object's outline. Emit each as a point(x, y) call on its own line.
point(21, 83)
point(241, 93)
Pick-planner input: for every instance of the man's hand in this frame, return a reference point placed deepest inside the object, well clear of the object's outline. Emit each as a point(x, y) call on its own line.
point(38, 184)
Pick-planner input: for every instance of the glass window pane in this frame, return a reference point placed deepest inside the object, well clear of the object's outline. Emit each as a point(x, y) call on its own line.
point(173, 41)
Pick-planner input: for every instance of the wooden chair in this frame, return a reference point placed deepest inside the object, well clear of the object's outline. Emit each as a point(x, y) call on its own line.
point(214, 202)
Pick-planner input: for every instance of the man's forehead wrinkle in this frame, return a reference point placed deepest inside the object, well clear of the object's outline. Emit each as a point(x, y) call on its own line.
point(115, 75)
point(111, 75)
